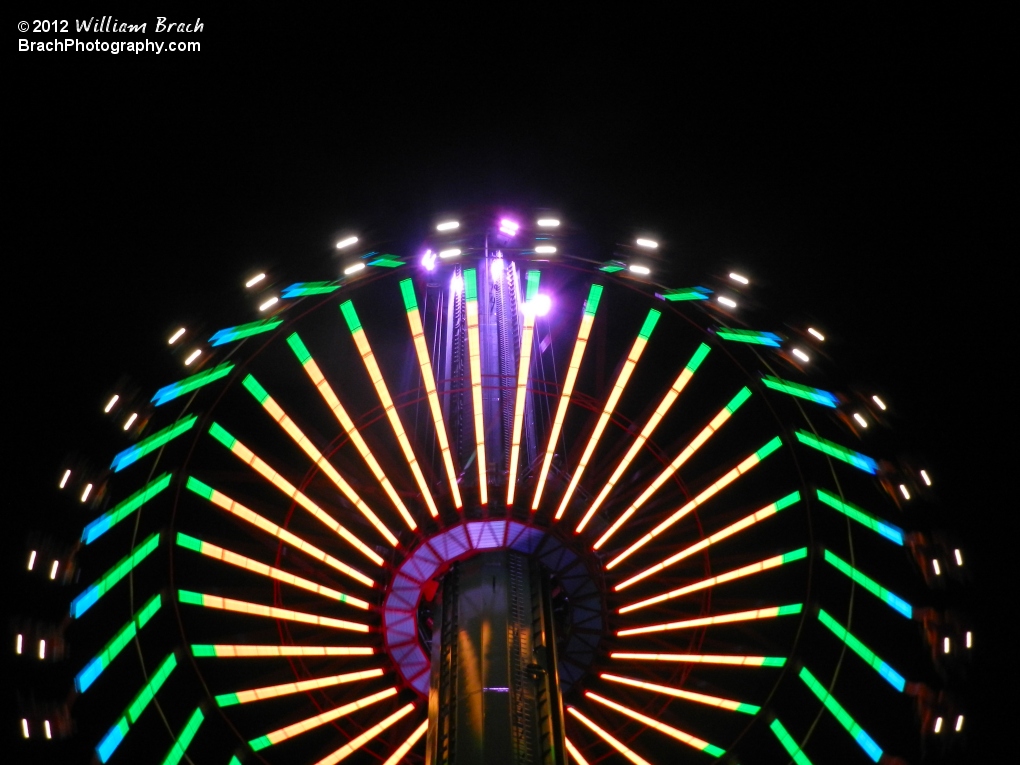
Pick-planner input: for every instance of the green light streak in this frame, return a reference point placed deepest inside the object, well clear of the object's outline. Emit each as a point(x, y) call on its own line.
point(386, 261)
point(894, 678)
point(592, 303)
point(887, 530)
point(230, 334)
point(300, 289)
point(88, 598)
point(351, 316)
point(84, 679)
point(816, 395)
point(686, 293)
point(858, 460)
point(296, 345)
point(869, 584)
point(611, 267)
point(201, 489)
point(181, 744)
point(789, 744)
point(257, 744)
point(134, 453)
point(794, 608)
point(220, 434)
point(190, 598)
point(188, 384)
point(255, 389)
point(788, 500)
point(407, 292)
point(147, 693)
point(698, 357)
point(795, 555)
point(203, 651)
point(227, 700)
point(470, 285)
point(739, 399)
point(770, 447)
point(748, 336)
point(649, 324)
point(107, 521)
point(188, 542)
point(842, 716)
point(531, 290)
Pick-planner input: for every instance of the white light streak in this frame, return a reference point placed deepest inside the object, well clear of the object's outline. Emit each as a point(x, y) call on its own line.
point(651, 244)
point(946, 645)
point(18, 645)
point(42, 649)
point(879, 403)
point(904, 491)
point(130, 421)
point(643, 270)
point(860, 420)
point(495, 270)
point(110, 403)
point(969, 639)
point(269, 303)
point(935, 565)
point(354, 269)
point(346, 242)
point(24, 727)
point(925, 478)
point(816, 334)
point(938, 725)
point(194, 355)
point(49, 734)
point(739, 278)
point(728, 302)
point(86, 492)
point(176, 336)
point(53, 569)
point(254, 280)
point(959, 556)
point(800, 354)
point(451, 253)
point(31, 560)
point(545, 249)
point(959, 723)
point(63, 481)
point(548, 222)
point(449, 225)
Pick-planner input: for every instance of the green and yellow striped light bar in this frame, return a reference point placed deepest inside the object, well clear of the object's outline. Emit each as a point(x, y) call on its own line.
point(134, 453)
point(301, 289)
point(183, 741)
point(295, 729)
point(750, 336)
point(363, 738)
point(608, 737)
point(242, 561)
point(261, 467)
point(619, 385)
point(401, 751)
point(713, 489)
point(583, 332)
point(188, 384)
point(105, 583)
point(84, 679)
point(285, 689)
point(333, 402)
point(893, 601)
point(122, 510)
point(375, 375)
point(890, 675)
point(696, 658)
point(276, 412)
point(746, 522)
point(729, 576)
point(788, 743)
point(887, 530)
point(273, 612)
point(679, 693)
point(864, 741)
point(831, 448)
point(669, 730)
point(660, 411)
point(704, 621)
point(817, 395)
point(429, 378)
point(227, 651)
point(240, 511)
point(523, 372)
point(241, 331)
point(109, 743)
point(670, 470)
point(475, 369)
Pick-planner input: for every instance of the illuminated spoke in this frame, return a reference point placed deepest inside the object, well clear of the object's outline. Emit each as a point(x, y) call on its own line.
point(188, 384)
point(234, 559)
point(224, 651)
point(333, 402)
point(849, 456)
point(155, 441)
point(301, 289)
point(816, 395)
point(739, 573)
point(609, 738)
point(122, 568)
point(375, 375)
point(398, 754)
point(669, 730)
point(887, 530)
point(261, 467)
point(694, 658)
point(660, 411)
point(429, 378)
point(894, 678)
point(704, 621)
point(285, 422)
point(359, 741)
point(614, 396)
point(893, 601)
point(717, 486)
point(864, 741)
point(699, 440)
point(235, 508)
point(751, 336)
point(285, 689)
point(574, 754)
point(298, 728)
point(788, 743)
point(523, 372)
point(109, 743)
point(700, 698)
point(587, 319)
point(108, 520)
point(744, 523)
point(475, 369)
point(230, 334)
point(125, 635)
point(184, 740)
point(272, 612)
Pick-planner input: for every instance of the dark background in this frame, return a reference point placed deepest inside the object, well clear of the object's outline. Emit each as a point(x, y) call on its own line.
point(854, 163)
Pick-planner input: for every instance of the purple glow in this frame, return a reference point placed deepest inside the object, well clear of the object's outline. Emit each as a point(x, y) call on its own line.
point(542, 304)
point(496, 269)
point(457, 284)
point(509, 227)
point(428, 260)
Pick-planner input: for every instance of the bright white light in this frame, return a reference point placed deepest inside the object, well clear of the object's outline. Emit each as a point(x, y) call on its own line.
point(860, 420)
point(254, 280)
point(428, 260)
point(110, 403)
point(18, 645)
point(925, 478)
point(346, 242)
point(451, 253)
point(800, 354)
point(816, 334)
point(449, 225)
point(935, 565)
point(542, 304)
point(53, 569)
point(354, 269)
point(496, 269)
point(970, 639)
point(945, 645)
point(63, 481)
point(194, 355)
point(507, 226)
point(457, 284)
point(938, 725)
point(46, 727)
point(728, 302)
point(959, 556)
point(24, 727)
point(548, 222)
point(130, 420)
point(269, 303)
point(86, 492)
point(879, 402)
point(643, 270)
point(651, 244)
point(959, 723)
point(904, 491)
point(42, 649)
point(31, 560)
point(175, 336)
point(739, 278)
point(545, 249)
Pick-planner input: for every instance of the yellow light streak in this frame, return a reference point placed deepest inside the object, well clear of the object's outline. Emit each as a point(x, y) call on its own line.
point(670, 731)
point(740, 616)
point(700, 698)
point(237, 509)
point(356, 743)
point(398, 754)
point(475, 365)
point(574, 753)
point(313, 722)
point(225, 651)
point(614, 742)
point(273, 612)
point(375, 375)
point(660, 411)
point(523, 371)
point(272, 691)
point(733, 660)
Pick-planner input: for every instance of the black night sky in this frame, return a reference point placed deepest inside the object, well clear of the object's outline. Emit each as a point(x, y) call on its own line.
point(855, 163)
